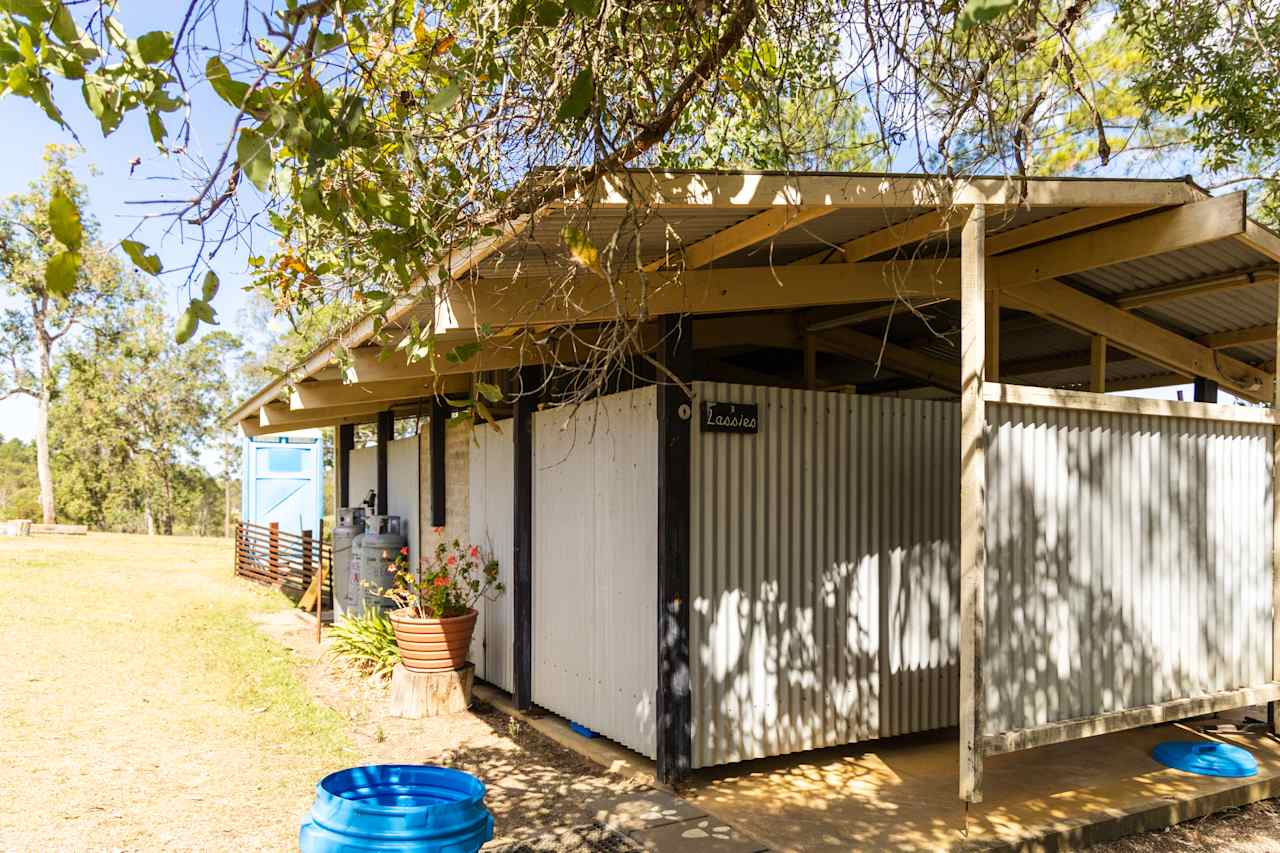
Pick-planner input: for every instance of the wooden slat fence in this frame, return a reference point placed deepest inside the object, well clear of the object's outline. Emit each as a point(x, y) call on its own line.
point(288, 561)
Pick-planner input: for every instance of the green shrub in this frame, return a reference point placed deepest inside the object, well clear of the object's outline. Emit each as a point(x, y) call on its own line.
point(368, 641)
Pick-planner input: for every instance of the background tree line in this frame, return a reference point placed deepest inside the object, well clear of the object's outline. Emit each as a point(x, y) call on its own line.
point(128, 428)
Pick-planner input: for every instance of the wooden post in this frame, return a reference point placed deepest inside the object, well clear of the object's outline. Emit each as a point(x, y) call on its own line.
point(1098, 364)
point(992, 366)
point(386, 432)
point(811, 361)
point(439, 420)
point(1204, 390)
point(522, 548)
point(675, 413)
point(273, 548)
point(973, 481)
point(346, 443)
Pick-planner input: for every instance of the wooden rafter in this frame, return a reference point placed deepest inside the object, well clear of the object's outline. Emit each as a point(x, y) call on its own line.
point(1266, 333)
point(1066, 305)
point(1057, 226)
point(280, 415)
point(323, 395)
point(897, 358)
point(1216, 283)
point(498, 304)
point(757, 229)
point(884, 240)
point(1171, 230)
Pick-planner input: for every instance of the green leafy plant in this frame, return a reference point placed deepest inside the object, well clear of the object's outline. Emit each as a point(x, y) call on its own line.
point(447, 583)
point(368, 641)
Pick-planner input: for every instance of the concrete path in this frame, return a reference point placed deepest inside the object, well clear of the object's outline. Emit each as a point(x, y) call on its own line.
point(660, 822)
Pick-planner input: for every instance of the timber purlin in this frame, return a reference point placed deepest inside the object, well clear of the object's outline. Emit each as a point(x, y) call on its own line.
point(280, 559)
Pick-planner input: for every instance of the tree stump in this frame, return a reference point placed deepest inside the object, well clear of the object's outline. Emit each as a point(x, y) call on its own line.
point(415, 695)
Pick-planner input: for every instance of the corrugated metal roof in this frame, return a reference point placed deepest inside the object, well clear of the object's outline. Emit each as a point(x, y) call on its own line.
point(1221, 256)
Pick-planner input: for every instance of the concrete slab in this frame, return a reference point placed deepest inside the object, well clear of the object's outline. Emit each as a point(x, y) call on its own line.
point(642, 810)
point(900, 794)
point(707, 835)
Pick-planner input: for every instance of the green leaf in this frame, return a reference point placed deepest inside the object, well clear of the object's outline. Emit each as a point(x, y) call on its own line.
point(977, 12)
point(157, 128)
point(231, 91)
point(18, 78)
point(209, 287)
point(33, 10)
point(310, 200)
point(581, 249)
point(103, 100)
point(203, 310)
point(186, 326)
point(580, 95)
point(492, 393)
point(64, 220)
point(64, 26)
point(585, 8)
point(462, 352)
point(137, 253)
point(253, 153)
point(155, 46)
point(444, 98)
point(60, 273)
point(549, 13)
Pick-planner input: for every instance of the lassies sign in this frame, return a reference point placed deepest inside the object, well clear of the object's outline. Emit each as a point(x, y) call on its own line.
point(742, 418)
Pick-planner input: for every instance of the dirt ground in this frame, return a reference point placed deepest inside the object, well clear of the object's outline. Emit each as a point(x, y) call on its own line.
point(151, 701)
point(1251, 829)
point(142, 707)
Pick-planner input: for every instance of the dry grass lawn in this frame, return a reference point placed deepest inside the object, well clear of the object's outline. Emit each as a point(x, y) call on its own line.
point(142, 707)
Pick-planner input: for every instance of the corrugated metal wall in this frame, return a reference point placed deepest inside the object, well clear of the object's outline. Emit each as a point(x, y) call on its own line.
point(824, 575)
point(492, 462)
point(595, 565)
point(1129, 561)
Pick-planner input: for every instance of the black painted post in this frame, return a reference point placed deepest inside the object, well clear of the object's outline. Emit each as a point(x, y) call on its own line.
point(1204, 390)
point(386, 432)
point(439, 420)
point(346, 443)
point(522, 547)
point(675, 411)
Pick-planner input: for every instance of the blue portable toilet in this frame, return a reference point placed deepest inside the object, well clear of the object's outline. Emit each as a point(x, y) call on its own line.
point(283, 481)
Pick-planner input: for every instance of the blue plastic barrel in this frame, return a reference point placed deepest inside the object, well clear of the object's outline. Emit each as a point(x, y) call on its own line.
point(397, 807)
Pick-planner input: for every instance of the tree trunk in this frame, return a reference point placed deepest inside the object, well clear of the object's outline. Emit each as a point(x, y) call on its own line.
point(226, 506)
point(44, 471)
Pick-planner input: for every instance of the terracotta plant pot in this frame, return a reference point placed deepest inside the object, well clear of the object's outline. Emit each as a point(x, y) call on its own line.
point(433, 645)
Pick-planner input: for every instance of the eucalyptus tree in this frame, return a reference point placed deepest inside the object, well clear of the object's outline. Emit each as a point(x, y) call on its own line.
point(56, 279)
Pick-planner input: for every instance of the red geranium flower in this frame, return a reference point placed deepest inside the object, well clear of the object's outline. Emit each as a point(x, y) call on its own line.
point(405, 550)
point(453, 561)
point(474, 552)
point(442, 580)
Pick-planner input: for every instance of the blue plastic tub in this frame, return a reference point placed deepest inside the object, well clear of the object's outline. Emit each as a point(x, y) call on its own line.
point(397, 807)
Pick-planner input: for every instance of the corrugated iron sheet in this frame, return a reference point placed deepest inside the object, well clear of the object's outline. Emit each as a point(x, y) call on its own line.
point(492, 505)
point(595, 556)
point(1129, 561)
point(823, 573)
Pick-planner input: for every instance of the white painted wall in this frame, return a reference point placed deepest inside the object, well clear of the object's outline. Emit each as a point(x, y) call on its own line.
point(492, 463)
point(595, 565)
